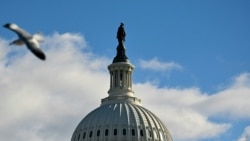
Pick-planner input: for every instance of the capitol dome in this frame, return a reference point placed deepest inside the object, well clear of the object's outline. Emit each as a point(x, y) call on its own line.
point(121, 117)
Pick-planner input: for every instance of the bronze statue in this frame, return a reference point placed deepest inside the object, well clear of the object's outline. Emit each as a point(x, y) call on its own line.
point(121, 51)
point(121, 34)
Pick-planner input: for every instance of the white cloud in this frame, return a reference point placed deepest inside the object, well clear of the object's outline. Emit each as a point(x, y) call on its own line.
point(45, 100)
point(187, 111)
point(4, 50)
point(155, 65)
point(245, 135)
point(175, 108)
point(232, 102)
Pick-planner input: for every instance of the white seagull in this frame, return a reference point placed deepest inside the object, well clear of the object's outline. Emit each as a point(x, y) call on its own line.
point(32, 42)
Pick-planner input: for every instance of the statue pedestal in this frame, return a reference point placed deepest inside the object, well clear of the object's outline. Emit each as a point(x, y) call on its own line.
point(121, 54)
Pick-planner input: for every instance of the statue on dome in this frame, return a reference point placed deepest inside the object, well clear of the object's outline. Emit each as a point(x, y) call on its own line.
point(121, 34)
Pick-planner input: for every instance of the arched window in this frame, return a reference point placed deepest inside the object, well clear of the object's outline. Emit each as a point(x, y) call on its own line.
point(133, 132)
point(115, 132)
point(84, 135)
point(111, 79)
point(124, 132)
point(106, 132)
point(98, 133)
point(116, 79)
point(141, 132)
point(90, 134)
point(121, 79)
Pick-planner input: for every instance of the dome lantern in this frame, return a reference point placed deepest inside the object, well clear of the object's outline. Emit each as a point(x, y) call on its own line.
point(121, 74)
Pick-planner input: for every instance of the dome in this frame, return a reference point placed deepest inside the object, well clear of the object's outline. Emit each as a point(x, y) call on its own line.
point(121, 117)
point(124, 121)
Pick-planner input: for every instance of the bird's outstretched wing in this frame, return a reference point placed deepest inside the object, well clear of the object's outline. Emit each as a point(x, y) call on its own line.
point(25, 38)
point(18, 42)
point(19, 31)
point(33, 46)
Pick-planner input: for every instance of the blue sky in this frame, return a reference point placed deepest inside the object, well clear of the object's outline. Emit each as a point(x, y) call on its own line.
point(191, 59)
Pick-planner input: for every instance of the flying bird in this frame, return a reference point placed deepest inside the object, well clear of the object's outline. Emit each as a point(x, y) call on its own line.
point(25, 38)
